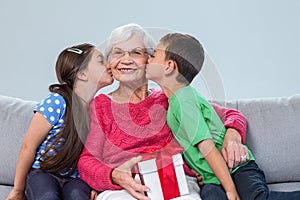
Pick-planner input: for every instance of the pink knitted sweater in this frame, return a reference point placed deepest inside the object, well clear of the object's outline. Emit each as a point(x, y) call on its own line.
point(120, 131)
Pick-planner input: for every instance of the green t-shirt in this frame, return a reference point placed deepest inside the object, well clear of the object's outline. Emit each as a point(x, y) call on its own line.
point(192, 119)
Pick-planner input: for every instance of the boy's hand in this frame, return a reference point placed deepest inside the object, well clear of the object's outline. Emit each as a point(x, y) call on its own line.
point(232, 196)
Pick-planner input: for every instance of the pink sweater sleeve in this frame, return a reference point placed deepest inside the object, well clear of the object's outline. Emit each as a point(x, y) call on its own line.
point(90, 165)
point(232, 118)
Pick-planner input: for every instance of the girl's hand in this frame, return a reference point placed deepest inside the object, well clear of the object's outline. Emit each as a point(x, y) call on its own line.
point(16, 195)
point(94, 195)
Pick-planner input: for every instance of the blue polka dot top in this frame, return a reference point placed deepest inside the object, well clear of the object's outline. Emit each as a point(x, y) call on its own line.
point(53, 109)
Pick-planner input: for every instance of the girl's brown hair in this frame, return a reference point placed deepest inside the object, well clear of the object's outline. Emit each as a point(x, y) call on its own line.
point(76, 120)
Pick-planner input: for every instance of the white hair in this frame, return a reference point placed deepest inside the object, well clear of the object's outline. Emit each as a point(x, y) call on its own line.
point(124, 32)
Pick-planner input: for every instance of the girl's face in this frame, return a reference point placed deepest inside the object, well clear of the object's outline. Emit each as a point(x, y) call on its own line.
point(128, 60)
point(97, 70)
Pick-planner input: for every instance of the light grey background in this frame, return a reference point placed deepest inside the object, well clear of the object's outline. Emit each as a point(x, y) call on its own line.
point(254, 45)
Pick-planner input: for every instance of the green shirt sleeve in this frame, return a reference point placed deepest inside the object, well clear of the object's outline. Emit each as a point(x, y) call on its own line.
point(192, 126)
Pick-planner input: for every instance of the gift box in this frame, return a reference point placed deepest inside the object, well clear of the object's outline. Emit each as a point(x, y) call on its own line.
point(163, 173)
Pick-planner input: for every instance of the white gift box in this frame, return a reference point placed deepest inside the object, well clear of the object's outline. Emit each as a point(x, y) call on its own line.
point(149, 176)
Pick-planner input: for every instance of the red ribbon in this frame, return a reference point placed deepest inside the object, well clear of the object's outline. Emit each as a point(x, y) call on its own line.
point(165, 167)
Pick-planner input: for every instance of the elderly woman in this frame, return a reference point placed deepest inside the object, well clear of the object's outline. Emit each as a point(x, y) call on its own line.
point(132, 119)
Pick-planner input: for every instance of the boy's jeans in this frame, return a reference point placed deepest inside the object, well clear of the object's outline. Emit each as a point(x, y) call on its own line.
point(249, 181)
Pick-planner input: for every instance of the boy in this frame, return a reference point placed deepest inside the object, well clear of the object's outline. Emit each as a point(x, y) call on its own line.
point(177, 59)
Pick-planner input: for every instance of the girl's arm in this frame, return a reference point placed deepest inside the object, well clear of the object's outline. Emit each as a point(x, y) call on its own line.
point(36, 133)
point(218, 166)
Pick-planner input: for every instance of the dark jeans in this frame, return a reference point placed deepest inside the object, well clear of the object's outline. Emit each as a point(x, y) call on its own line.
point(45, 186)
point(249, 181)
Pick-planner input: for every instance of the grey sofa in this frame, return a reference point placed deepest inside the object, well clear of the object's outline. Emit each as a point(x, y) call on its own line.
point(273, 135)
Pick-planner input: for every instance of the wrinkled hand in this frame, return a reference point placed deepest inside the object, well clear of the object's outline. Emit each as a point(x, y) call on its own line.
point(16, 195)
point(233, 151)
point(122, 176)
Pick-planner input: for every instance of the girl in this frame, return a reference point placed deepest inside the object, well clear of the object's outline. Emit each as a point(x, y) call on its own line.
point(47, 164)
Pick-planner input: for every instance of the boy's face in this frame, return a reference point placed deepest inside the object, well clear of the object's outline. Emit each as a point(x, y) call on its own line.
point(156, 64)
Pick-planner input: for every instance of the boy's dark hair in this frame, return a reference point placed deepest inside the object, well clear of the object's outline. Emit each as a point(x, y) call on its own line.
point(187, 52)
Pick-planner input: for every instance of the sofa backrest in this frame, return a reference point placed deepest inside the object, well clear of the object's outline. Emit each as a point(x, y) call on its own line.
point(273, 135)
point(15, 117)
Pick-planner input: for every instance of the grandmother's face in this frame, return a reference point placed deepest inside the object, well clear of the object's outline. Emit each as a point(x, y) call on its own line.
point(128, 59)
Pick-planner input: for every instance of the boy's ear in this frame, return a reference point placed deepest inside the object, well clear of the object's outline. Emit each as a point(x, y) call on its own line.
point(171, 66)
point(82, 75)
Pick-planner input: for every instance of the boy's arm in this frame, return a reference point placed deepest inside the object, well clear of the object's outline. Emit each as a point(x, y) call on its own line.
point(218, 166)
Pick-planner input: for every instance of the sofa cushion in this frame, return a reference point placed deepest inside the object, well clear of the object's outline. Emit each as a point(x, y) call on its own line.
point(273, 135)
point(283, 187)
point(15, 117)
point(4, 191)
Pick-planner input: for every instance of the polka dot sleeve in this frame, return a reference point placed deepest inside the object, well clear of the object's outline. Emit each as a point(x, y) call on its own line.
point(52, 108)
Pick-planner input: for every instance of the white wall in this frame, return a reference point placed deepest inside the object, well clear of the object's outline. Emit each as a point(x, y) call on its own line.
point(255, 45)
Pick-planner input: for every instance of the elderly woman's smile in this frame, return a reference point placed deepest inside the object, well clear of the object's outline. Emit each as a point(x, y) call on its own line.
point(126, 69)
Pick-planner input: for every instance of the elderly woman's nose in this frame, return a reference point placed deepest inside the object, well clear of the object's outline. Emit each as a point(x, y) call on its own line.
point(127, 55)
point(127, 60)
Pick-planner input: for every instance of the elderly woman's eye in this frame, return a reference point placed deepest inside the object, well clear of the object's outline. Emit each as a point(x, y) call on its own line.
point(117, 52)
point(138, 52)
